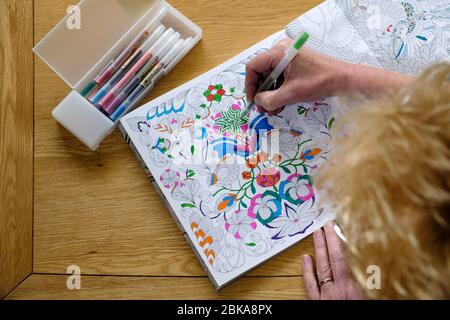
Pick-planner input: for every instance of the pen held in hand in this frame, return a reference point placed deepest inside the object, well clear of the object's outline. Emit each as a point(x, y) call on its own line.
point(289, 55)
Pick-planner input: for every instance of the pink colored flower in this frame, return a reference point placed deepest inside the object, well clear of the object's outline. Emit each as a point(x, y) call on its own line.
point(240, 224)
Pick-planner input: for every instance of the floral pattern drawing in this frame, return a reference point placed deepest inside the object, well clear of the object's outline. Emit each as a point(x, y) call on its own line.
point(236, 211)
point(245, 199)
point(399, 35)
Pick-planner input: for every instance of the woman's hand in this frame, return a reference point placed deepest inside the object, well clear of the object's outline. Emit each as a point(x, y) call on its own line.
point(333, 281)
point(312, 76)
point(308, 77)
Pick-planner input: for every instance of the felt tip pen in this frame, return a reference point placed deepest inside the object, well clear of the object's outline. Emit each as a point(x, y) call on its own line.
point(150, 78)
point(112, 67)
point(127, 64)
point(289, 55)
point(115, 64)
point(106, 100)
point(157, 55)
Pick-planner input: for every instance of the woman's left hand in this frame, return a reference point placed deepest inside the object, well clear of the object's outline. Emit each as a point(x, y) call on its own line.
point(333, 281)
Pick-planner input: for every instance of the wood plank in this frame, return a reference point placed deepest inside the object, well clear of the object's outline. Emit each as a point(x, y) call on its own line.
point(96, 209)
point(16, 142)
point(107, 287)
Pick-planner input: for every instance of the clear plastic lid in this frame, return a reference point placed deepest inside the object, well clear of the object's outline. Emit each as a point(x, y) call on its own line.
point(73, 52)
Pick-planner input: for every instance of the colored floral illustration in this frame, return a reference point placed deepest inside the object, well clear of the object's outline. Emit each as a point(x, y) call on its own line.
point(310, 154)
point(231, 122)
point(219, 175)
point(239, 224)
point(296, 221)
point(268, 177)
point(162, 145)
point(226, 202)
point(214, 93)
point(170, 179)
point(289, 141)
point(246, 175)
point(251, 163)
point(297, 189)
point(265, 207)
point(257, 244)
point(207, 235)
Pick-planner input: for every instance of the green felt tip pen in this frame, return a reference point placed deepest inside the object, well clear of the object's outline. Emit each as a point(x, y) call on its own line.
point(289, 55)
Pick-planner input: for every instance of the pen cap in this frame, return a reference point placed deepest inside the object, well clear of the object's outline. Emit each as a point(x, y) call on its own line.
point(166, 46)
point(173, 52)
point(157, 73)
point(162, 40)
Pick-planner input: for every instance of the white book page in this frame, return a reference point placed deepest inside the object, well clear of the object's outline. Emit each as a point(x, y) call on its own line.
point(237, 214)
point(240, 196)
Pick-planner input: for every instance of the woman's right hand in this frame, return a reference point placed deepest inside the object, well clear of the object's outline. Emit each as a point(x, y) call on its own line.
point(310, 76)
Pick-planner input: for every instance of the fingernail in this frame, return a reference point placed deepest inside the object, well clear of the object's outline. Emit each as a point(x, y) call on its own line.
point(306, 257)
point(329, 224)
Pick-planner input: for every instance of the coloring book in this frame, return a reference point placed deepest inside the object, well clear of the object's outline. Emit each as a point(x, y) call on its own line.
point(242, 190)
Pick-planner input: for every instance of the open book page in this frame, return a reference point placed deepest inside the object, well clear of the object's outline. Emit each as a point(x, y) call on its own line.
point(332, 34)
point(242, 190)
point(398, 35)
point(405, 36)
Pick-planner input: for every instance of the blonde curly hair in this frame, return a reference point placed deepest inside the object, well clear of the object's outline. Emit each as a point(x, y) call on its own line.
point(389, 180)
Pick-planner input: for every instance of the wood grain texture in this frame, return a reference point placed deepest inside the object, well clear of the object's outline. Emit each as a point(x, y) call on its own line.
point(97, 209)
point(16, 142)
point(108, 287)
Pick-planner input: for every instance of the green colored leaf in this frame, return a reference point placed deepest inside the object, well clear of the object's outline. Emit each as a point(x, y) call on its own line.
point(251, 244)
point(330, 124)
point(190, 173)
point(301, 110)
point(244, 205)
point(192, 149)
point(253, 189)
point(188, 205)
point(285, 169)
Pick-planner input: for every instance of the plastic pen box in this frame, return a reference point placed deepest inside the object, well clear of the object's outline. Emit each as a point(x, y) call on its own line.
point(89, 38)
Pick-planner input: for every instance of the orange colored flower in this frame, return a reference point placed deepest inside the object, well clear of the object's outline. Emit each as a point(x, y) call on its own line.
point(251, 163)
point(246, 175)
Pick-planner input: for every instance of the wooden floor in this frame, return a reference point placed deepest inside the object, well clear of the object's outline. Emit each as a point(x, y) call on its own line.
point(97, 210)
